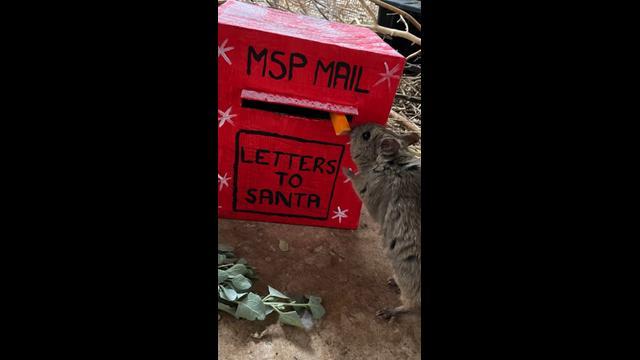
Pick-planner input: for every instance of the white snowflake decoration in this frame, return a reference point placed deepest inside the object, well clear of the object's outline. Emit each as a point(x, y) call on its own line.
point(223, 181)
point(225, 117)
point(340, 214)
point(388, 75)
point(222, 51)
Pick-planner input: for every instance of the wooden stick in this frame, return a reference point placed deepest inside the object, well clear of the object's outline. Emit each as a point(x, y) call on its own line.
point(406, 123)
point(399, 12)
point(393, 32)
point(409, 98)
point(315, 3)
point(369, 11)
point(406, 26)
point(414, 54)
point(387, 31)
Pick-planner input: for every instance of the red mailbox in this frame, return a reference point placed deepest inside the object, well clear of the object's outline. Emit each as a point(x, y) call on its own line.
point(280, 75)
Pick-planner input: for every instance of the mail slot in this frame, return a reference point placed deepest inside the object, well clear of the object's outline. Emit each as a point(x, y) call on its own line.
point(281, 76)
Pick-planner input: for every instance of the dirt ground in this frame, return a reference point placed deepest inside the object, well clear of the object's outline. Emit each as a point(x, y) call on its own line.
point(345, 268)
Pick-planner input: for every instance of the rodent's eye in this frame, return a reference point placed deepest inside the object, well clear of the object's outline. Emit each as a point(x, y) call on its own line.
point(366, 135)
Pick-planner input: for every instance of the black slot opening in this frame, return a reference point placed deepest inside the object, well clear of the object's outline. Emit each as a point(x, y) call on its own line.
point(289, 110)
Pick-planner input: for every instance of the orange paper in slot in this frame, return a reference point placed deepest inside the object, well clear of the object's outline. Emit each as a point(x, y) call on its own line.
point(340, 124)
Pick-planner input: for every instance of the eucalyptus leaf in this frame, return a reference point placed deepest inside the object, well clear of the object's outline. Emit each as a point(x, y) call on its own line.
point(291, 318)
point(237, 269)
point(269, 310)
point(235, 279)
point(226, 308)
point(222, 295)
point(251, 273)
point(229, 259)
point(300, 310)
point(251, 308)
point(277, 293)
point(229, 293)
point(241, 283)
point(222, 276)
point(317, 310)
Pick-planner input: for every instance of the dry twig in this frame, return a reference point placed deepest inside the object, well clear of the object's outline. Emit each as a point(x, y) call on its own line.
point(388, 31)
point(405, 122)
point(414, 54)
point(400, 12)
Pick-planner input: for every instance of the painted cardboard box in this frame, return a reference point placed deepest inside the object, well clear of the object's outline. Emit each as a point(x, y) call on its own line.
point(279, 77)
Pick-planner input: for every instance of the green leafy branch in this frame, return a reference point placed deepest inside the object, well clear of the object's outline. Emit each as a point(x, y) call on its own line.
point(235, 298)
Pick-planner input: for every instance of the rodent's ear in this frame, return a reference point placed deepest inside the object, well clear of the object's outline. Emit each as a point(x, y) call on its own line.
point(411, 138)
point(389, 146)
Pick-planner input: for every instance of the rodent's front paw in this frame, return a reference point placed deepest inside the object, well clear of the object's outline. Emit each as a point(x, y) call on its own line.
point(347, 172)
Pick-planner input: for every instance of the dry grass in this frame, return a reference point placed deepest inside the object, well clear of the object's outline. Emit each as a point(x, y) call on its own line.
point(407, 106)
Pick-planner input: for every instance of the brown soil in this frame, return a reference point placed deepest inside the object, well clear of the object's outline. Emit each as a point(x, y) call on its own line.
point(345, 268)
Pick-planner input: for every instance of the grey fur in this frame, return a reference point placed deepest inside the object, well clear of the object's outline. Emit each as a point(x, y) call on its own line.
point(388, 183)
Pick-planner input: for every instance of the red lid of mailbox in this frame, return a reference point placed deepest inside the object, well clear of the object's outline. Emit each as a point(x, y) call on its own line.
point(302, 27)
point(343, 64)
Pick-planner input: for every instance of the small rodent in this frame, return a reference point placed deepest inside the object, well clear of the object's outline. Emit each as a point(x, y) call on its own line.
point(388, 183)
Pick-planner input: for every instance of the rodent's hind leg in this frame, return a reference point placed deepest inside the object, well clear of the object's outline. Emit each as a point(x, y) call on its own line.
point(389, 313)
